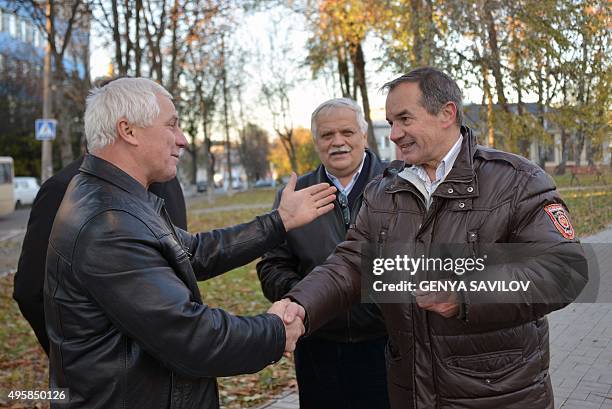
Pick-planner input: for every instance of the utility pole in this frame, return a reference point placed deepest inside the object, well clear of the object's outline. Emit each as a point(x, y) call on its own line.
point(46, 156)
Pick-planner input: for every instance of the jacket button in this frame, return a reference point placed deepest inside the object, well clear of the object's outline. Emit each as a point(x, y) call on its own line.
point(470, 189)
point(450, 191)
point(461, 205)
point(487, 380)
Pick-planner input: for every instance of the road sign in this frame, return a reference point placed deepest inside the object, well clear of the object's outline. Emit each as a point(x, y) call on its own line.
point(45, 129)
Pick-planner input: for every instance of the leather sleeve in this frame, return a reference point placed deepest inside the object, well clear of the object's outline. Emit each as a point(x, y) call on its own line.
point(143, 297)
point(30, 275)
point(221, 250)
point(277, 270)
point(557, 273)
point(335, 285)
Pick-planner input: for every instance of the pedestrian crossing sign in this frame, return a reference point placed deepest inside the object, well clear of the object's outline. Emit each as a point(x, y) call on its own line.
point(45, 129)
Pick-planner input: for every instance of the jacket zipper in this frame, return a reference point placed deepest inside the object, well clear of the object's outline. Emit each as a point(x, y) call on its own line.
point(174, 233)
point(382, 238)
point(172, 390)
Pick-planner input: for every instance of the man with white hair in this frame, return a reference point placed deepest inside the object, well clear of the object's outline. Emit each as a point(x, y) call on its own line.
point(342, 365)
point(126, 322)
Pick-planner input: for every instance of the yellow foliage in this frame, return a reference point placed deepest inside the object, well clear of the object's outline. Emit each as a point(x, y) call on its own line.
point(307, 158)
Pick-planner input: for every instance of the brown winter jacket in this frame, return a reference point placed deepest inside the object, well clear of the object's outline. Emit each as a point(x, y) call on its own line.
point(493, 355)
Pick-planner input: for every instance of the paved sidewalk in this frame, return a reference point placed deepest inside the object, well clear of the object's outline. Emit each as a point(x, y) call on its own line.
point(581, 347)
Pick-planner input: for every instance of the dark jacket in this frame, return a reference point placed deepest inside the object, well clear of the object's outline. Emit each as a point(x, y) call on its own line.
point(30, 276)
point(308, 246)
point(494, 355)
point(126, 322)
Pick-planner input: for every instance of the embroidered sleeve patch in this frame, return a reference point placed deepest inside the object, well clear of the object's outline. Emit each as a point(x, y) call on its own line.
point(560, 219)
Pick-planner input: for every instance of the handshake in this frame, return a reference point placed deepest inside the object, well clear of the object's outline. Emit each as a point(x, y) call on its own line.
point(293, 316)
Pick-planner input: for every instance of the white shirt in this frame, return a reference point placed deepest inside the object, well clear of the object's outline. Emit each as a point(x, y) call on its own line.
point(417, 175)
point(346, 189)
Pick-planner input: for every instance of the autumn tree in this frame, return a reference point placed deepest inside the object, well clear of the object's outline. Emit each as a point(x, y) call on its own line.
point(254, 149)
point(307, 158)
point(65, 26)
point(339, 29)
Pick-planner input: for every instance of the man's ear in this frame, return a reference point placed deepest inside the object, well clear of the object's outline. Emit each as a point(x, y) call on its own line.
point(125, 131)
point(448, 114)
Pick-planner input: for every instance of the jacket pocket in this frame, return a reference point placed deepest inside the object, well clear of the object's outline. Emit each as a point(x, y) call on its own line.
point(398, 356)
point(490, 367)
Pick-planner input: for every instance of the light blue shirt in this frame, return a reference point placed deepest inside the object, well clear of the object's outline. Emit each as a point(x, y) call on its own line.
point(346, 190)
point(422, 181)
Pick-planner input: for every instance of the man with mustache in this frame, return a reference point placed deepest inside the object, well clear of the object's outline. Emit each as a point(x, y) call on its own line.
point(126, 322)
point(342, 364)
point(468, 349)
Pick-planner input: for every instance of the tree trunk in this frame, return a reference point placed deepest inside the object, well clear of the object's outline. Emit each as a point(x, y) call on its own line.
point(128, 40)
point(560, 170)
point(286, 139)
point(137, 46)
point(65, 135)
point(360, 79)
point(344, 73)
point(490, 114)
point(174, 17)
point(494, 63)
point(415, 28)
point(228, 146)
point(117, 37)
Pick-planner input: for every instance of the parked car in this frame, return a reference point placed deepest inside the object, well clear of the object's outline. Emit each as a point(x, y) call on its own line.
point(202, 186)
point(26, 189)
point(261, 183)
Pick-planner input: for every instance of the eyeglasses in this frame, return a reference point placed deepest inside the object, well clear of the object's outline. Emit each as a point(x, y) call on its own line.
point(346, 212)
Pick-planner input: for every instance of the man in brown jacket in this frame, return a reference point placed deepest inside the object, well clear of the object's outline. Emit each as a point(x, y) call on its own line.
point(470, 348)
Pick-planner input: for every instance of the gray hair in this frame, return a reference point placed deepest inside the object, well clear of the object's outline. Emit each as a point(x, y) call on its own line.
point(334, 104)
point(134, 99)
point(437, 89)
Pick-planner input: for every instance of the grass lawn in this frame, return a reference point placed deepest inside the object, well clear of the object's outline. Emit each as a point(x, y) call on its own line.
point(584, 180)
point(239, 292)
point(23, 365)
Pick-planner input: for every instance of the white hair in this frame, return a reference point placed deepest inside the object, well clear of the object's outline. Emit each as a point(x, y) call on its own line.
point(134, 99)
point(335, 104)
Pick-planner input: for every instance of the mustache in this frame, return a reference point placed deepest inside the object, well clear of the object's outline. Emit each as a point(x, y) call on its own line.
point(339, 150)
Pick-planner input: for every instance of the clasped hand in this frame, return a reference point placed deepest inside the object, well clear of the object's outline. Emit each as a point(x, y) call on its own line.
point(293, 316)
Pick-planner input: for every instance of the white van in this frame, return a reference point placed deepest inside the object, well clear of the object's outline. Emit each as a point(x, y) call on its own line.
point(7, 202)
point(26, 189)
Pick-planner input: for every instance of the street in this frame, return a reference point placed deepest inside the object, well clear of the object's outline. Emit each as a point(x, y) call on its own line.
point(14, 223)
point(12, 230)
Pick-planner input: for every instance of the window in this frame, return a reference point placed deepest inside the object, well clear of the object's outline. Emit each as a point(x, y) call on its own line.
point(35, 37)
point(12, 25)
point(22, 29)
point(5, 173)
point(29, 32)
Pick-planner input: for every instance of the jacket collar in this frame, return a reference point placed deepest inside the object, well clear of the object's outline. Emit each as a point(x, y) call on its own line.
point(376, 168)
point(463, 169)
point(461, 182)
point(110, 173)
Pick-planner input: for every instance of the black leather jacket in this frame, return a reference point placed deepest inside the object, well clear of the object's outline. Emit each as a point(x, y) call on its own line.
point(307, 247)
point(126, 323)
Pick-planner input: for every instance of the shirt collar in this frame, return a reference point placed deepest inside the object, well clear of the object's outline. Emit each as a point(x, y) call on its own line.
point(346, 189)
point(443, 169)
